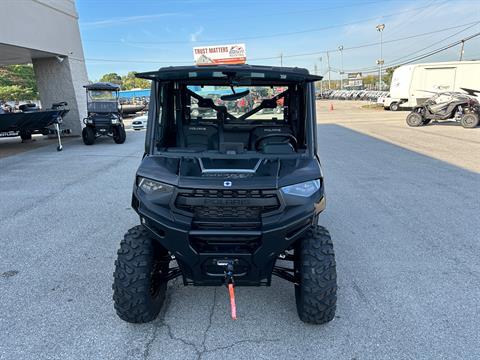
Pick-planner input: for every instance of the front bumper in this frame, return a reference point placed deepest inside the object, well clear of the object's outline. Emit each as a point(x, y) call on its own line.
point(253, 248)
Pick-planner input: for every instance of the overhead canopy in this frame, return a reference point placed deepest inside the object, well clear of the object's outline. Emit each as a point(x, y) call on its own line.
point(105, 86)
point(10, 54)
point(240, 74)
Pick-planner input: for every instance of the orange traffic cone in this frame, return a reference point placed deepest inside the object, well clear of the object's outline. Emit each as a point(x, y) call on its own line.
point(331, 107)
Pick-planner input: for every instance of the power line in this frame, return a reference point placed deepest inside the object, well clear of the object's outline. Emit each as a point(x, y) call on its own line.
point(420, 57)
point(423, 56)
point(436, 43)
point(304, 54)
point(425, 48)
point(376, 43)
point(242, 38)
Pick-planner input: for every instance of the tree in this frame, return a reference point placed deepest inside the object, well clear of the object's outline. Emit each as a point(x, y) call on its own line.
point(389, 74)
point(17, 82)
point(129, 82)
point(17, 93)
point(112, 78)
point(370, 80)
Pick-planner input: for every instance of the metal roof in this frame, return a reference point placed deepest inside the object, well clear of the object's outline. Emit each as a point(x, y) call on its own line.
point(102, 86)
point(220, 73)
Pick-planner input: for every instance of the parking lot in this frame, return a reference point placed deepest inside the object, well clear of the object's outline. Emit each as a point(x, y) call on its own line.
point(403, 209)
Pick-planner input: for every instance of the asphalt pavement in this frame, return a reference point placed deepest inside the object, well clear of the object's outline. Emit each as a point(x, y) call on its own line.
point(405, 228)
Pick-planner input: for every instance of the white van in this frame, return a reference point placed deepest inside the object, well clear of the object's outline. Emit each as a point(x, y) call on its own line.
point(413, 84)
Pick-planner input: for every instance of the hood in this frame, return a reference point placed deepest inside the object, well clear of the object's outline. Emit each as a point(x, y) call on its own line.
point(205, 173)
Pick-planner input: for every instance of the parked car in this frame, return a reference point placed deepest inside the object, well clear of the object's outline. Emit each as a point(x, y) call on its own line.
point(140, 122)
point(364, 95)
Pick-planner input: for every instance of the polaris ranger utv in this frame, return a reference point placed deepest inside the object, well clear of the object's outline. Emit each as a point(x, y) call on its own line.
point(228, 198)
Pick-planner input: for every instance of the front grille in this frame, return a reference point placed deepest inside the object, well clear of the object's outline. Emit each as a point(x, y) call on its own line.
point(208, 212)
point(232, 245)
point(227, 204)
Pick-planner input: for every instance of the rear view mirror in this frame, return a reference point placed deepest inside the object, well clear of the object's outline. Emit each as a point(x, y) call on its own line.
point(235, 96)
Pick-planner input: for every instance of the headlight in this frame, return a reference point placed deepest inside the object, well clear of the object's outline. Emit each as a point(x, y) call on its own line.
point(150, 186)
point(304, 189)
point(114, 121)
point(89, 121)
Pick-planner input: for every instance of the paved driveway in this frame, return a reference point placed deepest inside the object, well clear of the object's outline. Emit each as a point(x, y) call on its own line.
point(406, 231)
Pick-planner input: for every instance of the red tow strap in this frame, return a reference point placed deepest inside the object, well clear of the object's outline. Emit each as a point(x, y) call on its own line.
point(233, 307)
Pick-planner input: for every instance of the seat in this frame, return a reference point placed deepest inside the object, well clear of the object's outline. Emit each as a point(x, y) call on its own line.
point(259, 132)
point(200, 136)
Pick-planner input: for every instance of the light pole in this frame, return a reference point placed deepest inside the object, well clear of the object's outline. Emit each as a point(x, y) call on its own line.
point(380, 28)
point(340, 48)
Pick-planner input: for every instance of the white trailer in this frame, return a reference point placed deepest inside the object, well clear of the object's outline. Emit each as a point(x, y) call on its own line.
point(413, 84)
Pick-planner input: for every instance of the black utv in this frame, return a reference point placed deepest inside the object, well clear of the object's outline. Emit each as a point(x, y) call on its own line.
point(104, 115)
point(228, 198)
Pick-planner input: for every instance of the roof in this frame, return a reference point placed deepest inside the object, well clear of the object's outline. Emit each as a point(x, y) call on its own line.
point(445, 63)
point(255, 74)
point(102, 86)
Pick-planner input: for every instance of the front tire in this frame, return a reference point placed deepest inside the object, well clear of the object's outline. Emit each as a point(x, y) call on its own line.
point(469, 121)
point(414, 119)
point(316, 291)
point(138, 285)
point(394, 106)
point(88, 135)
point(119, 135)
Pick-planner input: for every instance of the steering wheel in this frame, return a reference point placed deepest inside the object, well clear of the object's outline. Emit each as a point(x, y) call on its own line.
point(288, 137)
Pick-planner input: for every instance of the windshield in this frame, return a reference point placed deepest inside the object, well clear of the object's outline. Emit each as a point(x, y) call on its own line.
point(243, 108)
point(102, 95)
point(233, 120)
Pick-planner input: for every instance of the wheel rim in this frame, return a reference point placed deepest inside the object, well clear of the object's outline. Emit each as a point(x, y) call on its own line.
point(468, 120)
point(414, 119)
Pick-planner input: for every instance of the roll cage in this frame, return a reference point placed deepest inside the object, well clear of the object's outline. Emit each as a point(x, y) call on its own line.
point(170, 84)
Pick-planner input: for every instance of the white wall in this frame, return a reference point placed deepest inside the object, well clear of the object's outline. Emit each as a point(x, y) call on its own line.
point(44, 25)
point(37, 31)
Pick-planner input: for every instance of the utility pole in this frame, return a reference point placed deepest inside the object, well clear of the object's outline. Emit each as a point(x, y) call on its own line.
point(281, 59)
point(380, 28)
point(461, 50)
point(321, 71)
point(340, 48)
point(328, 69)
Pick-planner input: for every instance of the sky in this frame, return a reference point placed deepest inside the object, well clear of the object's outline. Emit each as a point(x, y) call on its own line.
point(143, 35)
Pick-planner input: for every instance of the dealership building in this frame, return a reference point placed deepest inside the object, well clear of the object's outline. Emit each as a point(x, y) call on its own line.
point(46, 34)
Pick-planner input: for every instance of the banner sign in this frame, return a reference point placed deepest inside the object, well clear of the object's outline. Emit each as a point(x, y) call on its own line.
point(354, 76)
point(355, 83)
point(355, 79)
point(220, 54)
